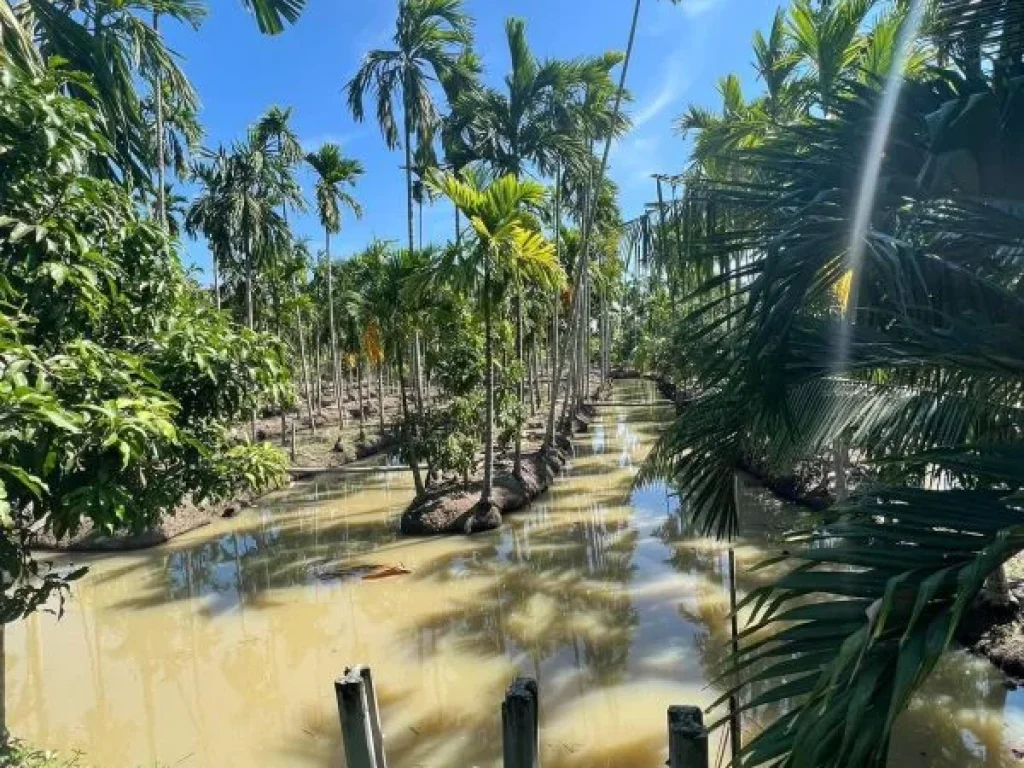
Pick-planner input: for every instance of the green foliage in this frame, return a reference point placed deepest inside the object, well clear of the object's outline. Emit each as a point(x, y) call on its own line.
point(17, 754)
point(117, 381)
point(910, 356)
point(451, 435)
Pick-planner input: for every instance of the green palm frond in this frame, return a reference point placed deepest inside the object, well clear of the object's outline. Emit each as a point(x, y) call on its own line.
point(334, 173)
point(273, 15)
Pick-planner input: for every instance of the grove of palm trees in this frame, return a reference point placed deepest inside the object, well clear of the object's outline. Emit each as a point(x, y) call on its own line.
point(750, 439)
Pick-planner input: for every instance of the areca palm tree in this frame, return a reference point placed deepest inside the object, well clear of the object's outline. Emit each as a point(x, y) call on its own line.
point(828, 42)
point(206, 214)
point(273, 15)
point(274, 132)
point(115, 45)
point(335, 175)
point(509, 129)
point(119, 45)
point(911, 356)
point(430, 36)
point(506, 244)
point(577, 279)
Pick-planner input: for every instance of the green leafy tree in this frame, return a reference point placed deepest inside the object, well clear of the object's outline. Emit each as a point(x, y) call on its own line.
point(118, 381)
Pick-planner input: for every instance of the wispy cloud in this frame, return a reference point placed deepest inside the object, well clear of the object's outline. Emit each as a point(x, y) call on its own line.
point(678, 77)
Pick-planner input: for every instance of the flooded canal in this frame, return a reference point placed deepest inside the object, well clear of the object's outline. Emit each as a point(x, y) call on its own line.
point(222, 647)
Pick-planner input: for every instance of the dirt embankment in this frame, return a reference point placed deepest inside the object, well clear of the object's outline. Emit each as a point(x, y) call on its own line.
point(328, 447)
point(456, 508)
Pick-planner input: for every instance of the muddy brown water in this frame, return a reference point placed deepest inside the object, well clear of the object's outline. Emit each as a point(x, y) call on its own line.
point(221, 647)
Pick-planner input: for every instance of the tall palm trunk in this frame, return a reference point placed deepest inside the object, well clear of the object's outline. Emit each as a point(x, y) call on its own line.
point(250, 318)
point(517, 465)
point(604, 325)
point(588, 219)
point(307, 384)
point(284, 410)
point(380, 396)
point(158, 100)
point(407, 126)
point(333, 332)
point(410, 449)
point(485, 496)
point(216, 281)
point(549, 432)
point(319, 377)
point(362, 410)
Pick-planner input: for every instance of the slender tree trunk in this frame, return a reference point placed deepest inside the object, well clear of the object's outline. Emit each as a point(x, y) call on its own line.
point(458, 227)
point(530, 382)
point(585, 345)
point(216, 280)
point(407, 125)
point(603, 301)
point(380, 395)
point(485, 496)
point(570, 354)
point(517, 464)
point(588, 219)
point(307, 384)
point(362, 410)
point(556, 369)
point(158, 100)
point(410, 449)
point(535, 367)
point(840, 461)
point(284, 410)
point(333, 333)
point(250, 318)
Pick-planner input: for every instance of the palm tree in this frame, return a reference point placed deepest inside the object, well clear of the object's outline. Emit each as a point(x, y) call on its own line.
point(429, 36)
point(272, 15)
point(393, 308)
point(207, 215)
point(510, 129)
point(927, 389)
point(507, 244)
point(113, 44)
point(335, 174)
point(827, 42)
point(274, 132)
point(118, 50)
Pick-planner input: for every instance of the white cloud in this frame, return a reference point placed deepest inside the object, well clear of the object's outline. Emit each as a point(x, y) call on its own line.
point(678, 77)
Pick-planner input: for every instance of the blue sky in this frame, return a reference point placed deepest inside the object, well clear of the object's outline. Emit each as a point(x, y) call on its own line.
point(681, 51)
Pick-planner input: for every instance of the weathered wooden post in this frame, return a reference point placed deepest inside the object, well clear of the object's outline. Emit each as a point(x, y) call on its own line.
point(687, 738)
point(360, 719)
point(293, 441)
point(374, 714)
point(519, 720)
